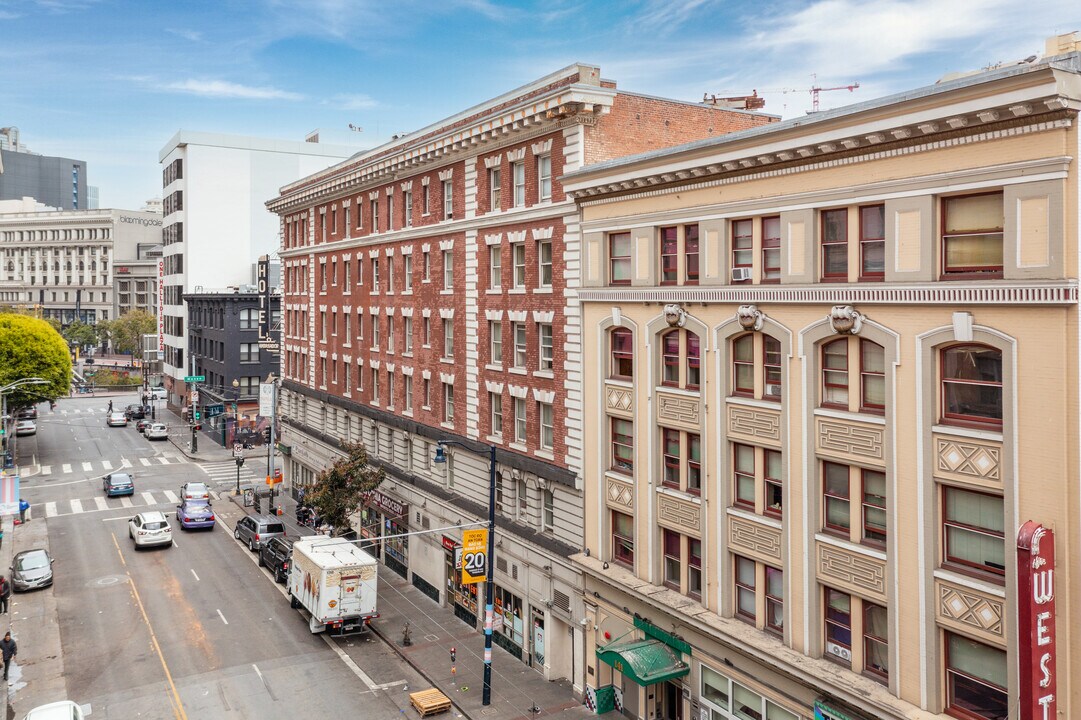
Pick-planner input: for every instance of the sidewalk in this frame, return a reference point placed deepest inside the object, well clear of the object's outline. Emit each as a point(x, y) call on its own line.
point(209, 450)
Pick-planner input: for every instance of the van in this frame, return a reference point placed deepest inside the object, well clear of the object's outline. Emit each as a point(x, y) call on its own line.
point(256, 530)
point(63, 710)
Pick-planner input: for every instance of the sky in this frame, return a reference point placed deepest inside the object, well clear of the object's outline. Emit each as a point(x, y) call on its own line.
point(110, 81)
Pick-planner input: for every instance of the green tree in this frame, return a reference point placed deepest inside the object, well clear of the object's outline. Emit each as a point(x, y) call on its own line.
point(126, 332)
point(80, 334)
point(32, 348)
point(339, 490)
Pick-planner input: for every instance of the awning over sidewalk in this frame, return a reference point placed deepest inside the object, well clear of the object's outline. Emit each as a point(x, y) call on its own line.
point(647, 661)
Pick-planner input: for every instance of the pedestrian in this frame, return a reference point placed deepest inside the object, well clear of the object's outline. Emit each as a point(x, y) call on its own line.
point(1, 539)
point(23, 507)
point(5, 593)
point(110, 406)
point(10, 649)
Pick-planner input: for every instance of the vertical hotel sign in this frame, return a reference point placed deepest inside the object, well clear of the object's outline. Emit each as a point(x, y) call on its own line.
point(1036, 621)
point(161, 305)
point(266, 334)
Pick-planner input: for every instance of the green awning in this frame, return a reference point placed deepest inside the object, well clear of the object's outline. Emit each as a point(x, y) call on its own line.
point(647, 662)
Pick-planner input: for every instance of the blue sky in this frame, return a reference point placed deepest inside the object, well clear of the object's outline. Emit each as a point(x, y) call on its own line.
point(110, 81)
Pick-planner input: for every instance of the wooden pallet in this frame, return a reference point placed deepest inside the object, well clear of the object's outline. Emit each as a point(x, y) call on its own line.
point(429, 702)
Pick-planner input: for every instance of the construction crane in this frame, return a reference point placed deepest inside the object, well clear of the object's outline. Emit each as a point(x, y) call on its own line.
point(754, 102)
point(815, 90)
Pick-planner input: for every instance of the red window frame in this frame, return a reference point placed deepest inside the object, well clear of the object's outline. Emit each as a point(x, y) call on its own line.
point(622, 446)
point(622, 545)
point(694, 567)
point(977, 687)
point(622, 344)
point(744, 474)
point(955, 418)
point(671, 448)
point(669, 248)
point(670, 358)
point(831, 376)
point(870, 640)
point(774, 602)
point(838, 624)
point(835, 495)
point(771, 249)
point(980, 271)
point(621, 261)
point(771, 349)
point(672, 544)
point(774, 486)
point(742, 245)
point(742, 588)
point(740, 344)
point(693, 346)
point(694, 463)
point(871, 240)
point(964, 563)
point(832, 246)
point(867, 374)
point(690, 254)
point(869, 502)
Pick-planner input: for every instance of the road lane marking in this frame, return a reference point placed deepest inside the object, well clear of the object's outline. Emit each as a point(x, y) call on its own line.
point(171, 496)
point(87, 467)
point(196, 576)
point(214, 494)
point(227, 622)
point(50, 509)
point(149, 499)
point(46, 469)
point(76, 506)
point(102, 505)
point(350, 663)
point(163, 460)
point(126, 502)
point(178, 707)
point(66, 467)
point(145, 462)
point(125, 463)
point(106, 464)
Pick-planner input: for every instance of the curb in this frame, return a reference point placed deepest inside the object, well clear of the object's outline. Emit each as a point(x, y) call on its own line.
point(398, 651)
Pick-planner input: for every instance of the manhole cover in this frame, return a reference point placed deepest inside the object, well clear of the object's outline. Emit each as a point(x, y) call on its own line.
point(108, 581)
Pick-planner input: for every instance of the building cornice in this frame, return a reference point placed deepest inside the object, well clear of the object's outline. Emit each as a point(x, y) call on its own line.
point(985, 292)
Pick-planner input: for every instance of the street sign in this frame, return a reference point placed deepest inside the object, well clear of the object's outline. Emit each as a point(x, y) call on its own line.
point(474, 556)
point(195, 378)
point(195, 396)
point(238, 450)
point(215, 410)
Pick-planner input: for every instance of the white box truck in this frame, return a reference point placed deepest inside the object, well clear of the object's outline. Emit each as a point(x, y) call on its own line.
point(333, 583)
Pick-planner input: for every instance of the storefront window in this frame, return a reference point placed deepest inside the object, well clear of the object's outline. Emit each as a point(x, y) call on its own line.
point(508, 606)
point(726, 699)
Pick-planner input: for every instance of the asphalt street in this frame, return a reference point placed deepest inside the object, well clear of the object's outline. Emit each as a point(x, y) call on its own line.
point(192, 630)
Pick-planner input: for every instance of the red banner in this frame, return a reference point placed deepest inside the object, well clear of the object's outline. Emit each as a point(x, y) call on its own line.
point(1036, 621)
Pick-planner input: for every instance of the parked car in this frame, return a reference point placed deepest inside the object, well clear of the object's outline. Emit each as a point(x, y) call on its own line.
point(150, 528)
point(26, 427)
point(194, 514)
point(29, 413)
point(62, 710)
point(116, 484)
point(157, 431)
point(135, 412)
point(117, 419)
point(159, 393)
point(194, 491)
point(255, 530)
point(276, 554)
point(31, 569)
point(142, 425)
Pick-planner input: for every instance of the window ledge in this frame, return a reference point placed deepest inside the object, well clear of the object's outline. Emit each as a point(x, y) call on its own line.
point(850, 546)
point(970, 582)
point(850, 416)
point(407, 354)
point(519, 447)
point(389, 292)
point(754, 517)
point(681, 391)
point(426, 281)
point(494, 291)
point(389, 351)
point(546, 454)
point(427, 346)
point(517, 371)
point(447, 425)
point(407, 412)
point(751, 402)
point(426, 407)
point(672, 492)
point(407, 292)
point(496, 439)
point(629, 384)
point(549, 374)
point(967, 432)
point(494, 368)
point(547, 290)
point(447, 292)
point(447, 360)
point(516, 291)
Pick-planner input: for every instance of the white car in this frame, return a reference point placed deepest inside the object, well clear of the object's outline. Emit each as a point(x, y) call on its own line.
point(150, 528)
point(63, 710)
point(117, 419)
point(159, 393)
point(157, 431)
point(194, 491)
point(26, 427)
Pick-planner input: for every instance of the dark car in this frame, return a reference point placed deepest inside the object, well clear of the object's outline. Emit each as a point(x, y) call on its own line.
point(192, 514)
point(142, 425)
point(30, 413)
point(257, 530)
point(31, 569)
point(115, 484)
point(134, 412)
point(276, 555)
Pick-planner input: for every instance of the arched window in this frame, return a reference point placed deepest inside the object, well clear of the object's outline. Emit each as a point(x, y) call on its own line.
point(622, 348)
point(681, 359)
point(748, 354)
point(868, 375)
point(971, 378)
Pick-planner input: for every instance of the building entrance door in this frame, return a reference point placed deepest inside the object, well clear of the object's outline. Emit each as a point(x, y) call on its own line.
point(672, 701)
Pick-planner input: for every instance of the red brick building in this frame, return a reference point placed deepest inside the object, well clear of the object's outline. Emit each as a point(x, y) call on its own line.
point(430, 293)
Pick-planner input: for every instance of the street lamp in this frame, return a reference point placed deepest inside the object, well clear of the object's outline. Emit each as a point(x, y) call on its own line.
point(489, 584)
point(4, 401)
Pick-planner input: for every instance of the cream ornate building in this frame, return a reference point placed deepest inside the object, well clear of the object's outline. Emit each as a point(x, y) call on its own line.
point(811, 443)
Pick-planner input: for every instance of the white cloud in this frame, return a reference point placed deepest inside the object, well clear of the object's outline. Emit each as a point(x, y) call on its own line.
point(192, 35)
point(225, 89)
point(346, 101)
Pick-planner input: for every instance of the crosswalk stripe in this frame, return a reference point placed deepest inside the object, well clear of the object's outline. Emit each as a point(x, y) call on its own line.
point(125, 463)
point(66, 467)
point(46, 469)
point(87, 467)
point(214, 494)
point(163, 460)
point(145, 461)
point(106, 464)
point(171, 496)
point(76, 411)
point(50, 509)
point(149, 499)
point(76, 506)
point(126, 502)
point(102, 505)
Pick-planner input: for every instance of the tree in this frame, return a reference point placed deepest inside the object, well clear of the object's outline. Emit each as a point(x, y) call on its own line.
point(32, 348)
point(126, 332)
point(340, 489)
point(80, 334)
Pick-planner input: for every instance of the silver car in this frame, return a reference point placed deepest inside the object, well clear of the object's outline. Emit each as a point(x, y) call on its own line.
point(255, 530)
point(31, 569)
point(157, 431)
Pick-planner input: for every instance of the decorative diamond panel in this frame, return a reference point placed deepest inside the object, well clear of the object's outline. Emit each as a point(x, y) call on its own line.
point(968, 460)
point(754, 423)
point(757, 540)
point(679, 514)
point(620, 399)
point(865, 575)
point(970, 610)
point(678, 409)
point(620, 493)
point(849, 440)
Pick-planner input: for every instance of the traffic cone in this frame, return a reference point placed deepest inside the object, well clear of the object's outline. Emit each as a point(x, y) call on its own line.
point(280, 511)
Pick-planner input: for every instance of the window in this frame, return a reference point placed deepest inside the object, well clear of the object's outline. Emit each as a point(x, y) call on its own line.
point(375, 216)
point(622, 538)
point(622, 445)
point(748, 351)
point(390, 334)
point(407, 202)
point(744, 480)
point(448, 338)
point(407, 272)
point(835, 373)
point(518, 259)
point(407, 334)
point(249, 319)
point(839, 626)
point(544, 178)
point(495, 267)
point(323, 326)
point(518, 171)
point(874, 507)
point(333, 272)
point(973, 529)
point(774, 600)
point(544, 256)
point(519, 420)
point(835, 490)
point(426, 197)
point(774, 486)
point(375, 385)
point(972, 234)
point(876, 655)
point(547, 353)
point(495, 402)
point(495, 332)
point(548, 519)
point(842, 483)
point(519, 344)
point(673, 559)
point(547, 426)
point(494, 190)
point(669, 256)
point(694, 567)
point(448, 270)
point(448, 200)
point(390, 389)
point(427, 331)
point(690, 254)
point(390, 274)
point(427, 394)
point(680, 359)
point(622, 346)
point(375, 332)
point(719, 693)
point(873, 242)
point(746, 600)
point(872, 377)
point(835, 244)
point(682, 460)
point(407, 391)
point(976, 679)
point(619, 258)
point(375, 274)
point(249, 352)
point(743, 365)
point(743, 246)
point(448, 403)
point(670, 442)
point(771, 249)
point(390, 212)
point(348, 280)
point(427, 266)
point(972, 385)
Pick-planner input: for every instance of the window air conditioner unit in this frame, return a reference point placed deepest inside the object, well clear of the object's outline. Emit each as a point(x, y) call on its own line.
point(740, 274)
point(773, 390)
point(841, 652)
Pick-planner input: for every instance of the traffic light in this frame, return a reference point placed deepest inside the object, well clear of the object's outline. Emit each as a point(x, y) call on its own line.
point(266, 436)
point(197, 426)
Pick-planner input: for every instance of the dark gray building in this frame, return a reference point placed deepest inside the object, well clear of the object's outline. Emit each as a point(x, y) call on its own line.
point(55, 181)
point(223, 335)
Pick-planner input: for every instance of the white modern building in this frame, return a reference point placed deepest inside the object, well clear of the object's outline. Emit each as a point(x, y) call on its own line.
point(216, 224)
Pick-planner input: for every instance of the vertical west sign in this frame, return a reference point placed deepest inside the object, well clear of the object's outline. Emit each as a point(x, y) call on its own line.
point(1036, 621)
